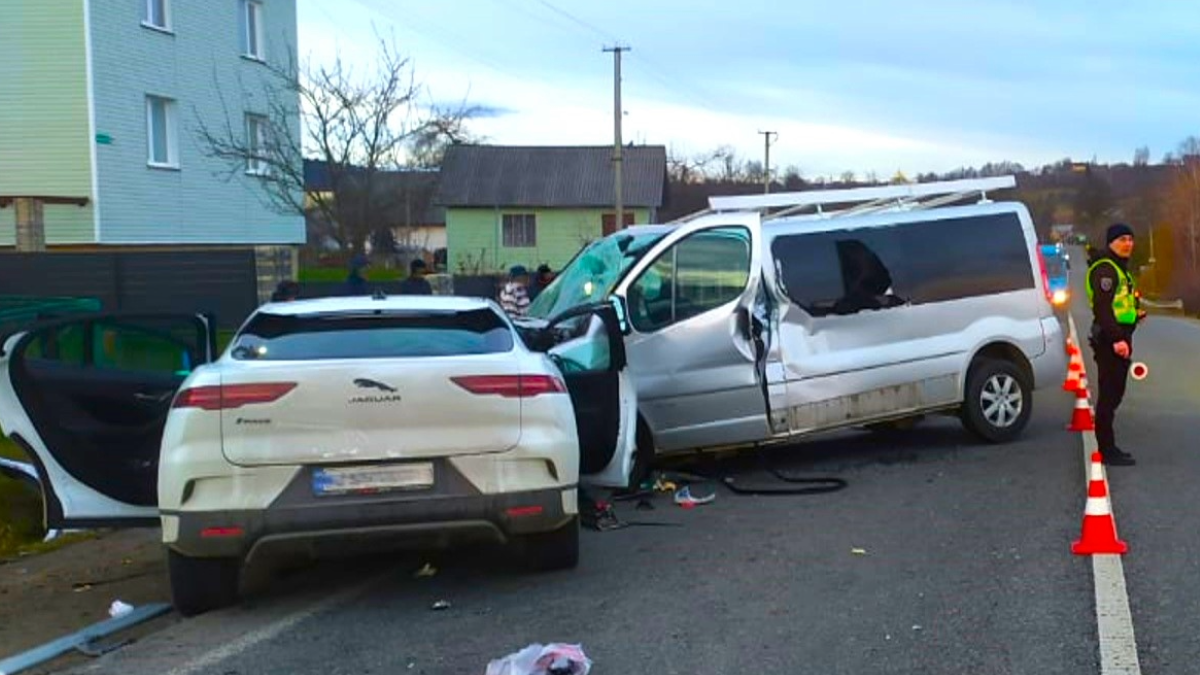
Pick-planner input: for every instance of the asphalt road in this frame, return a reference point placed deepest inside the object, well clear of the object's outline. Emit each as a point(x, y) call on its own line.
point(943, 555)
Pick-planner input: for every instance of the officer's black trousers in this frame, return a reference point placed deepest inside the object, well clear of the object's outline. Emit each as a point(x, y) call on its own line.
point(1113, 375)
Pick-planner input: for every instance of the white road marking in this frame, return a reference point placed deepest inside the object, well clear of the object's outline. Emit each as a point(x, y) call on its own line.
point(271, 631)
point(1114, 621)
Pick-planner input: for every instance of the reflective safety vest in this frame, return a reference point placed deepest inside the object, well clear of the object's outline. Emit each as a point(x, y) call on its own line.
point(1124, 304)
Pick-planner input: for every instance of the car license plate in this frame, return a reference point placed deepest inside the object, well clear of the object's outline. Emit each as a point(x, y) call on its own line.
point(371, 479)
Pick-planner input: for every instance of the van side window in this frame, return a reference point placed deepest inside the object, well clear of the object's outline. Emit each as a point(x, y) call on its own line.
point(697, 274)
point(849, 271)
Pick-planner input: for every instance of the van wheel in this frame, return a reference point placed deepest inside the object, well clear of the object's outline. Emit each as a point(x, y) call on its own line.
point(554, 550)
point(199, 585)
point(998, 401)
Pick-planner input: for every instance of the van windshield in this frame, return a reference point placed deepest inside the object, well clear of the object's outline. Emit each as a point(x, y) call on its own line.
point(593, 273)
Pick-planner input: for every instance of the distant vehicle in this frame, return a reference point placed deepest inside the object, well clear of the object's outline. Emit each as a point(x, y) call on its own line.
point(413, 419)
point(1056, 265)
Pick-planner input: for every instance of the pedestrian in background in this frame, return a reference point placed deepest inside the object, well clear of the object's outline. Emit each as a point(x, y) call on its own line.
point(416, 283)
point(286, 291)
point(1116, 312)
point(514, 296)
point(356, 284)
point(542, 278)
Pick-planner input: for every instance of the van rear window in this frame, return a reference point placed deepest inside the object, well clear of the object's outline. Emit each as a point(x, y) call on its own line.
point(847, 271)
point(278, 337)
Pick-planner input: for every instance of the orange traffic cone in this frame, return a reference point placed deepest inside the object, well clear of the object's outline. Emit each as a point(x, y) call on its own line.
point(1081, 419)
point(1074, 371)
point(1083, 383)
point(1072, 350)
point(1099, 533)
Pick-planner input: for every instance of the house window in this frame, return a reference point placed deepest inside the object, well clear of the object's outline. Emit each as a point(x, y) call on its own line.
point(257, 136)
point(608, 222)
point(158, 14)
point(161, 132)
point(520, 230)
point(252, 29)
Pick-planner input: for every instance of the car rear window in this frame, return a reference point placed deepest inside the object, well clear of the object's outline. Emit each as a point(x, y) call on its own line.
point(277, 337)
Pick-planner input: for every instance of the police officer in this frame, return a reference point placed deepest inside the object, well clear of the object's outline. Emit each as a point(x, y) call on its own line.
point(1116, 312)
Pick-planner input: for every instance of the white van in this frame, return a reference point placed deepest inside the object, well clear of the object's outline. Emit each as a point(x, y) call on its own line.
point(770, 317)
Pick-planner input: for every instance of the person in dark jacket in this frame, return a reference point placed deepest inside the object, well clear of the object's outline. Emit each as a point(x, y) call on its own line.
point(286, 291)
point(1116, 312)
point(416, 283)
point(356, 283)
point(541, 279)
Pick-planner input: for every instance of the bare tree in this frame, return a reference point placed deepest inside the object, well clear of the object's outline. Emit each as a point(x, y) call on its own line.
point(1141, 156)
point(356, 127)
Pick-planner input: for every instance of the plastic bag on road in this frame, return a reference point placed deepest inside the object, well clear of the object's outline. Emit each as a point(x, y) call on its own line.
point(538, 659)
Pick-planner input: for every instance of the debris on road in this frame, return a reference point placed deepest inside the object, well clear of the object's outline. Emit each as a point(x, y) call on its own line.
point(426, 571)
point(537, 659)
point(118, 609)
point(440, 605)
point(858, 551)
point(687, 500)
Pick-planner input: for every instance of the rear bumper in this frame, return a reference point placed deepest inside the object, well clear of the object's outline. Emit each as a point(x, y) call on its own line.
point(450, 513)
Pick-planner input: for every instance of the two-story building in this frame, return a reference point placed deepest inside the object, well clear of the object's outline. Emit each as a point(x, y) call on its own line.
point(100, 103)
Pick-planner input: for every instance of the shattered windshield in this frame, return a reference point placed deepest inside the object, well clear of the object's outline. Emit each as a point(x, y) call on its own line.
point(591, 276)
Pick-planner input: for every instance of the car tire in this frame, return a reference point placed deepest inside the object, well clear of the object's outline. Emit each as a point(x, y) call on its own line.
point(998, 402)
point(199, 585)
point(554, 550)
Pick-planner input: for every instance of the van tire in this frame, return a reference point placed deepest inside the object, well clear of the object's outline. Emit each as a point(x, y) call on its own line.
point(553, 550)
point(996, 380)
point(199, 585)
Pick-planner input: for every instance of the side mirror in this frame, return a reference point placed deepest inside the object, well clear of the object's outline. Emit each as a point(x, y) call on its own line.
point(622, 310)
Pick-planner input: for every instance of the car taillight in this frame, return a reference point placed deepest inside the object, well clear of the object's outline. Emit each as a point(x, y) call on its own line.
point(511, 386)
point(228, 397)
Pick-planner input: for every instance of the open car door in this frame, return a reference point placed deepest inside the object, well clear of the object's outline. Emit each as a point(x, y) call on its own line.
point(87, 399)
point(589, 349)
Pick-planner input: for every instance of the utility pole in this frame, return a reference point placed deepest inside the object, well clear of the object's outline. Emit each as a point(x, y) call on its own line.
point(767, 136)
point(618, 157)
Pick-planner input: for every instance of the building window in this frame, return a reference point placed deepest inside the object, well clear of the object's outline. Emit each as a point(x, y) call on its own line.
point(520, 230)
point(162, 126)
point(252, 30)
point(257, 137)
point(158, 14)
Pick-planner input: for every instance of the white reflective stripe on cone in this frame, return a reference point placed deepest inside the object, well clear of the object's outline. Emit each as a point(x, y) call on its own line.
point(1096, 506)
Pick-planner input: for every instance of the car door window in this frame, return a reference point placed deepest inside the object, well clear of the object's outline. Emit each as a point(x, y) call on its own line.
point(145, 348)
point(64, 345)
point(696, 275)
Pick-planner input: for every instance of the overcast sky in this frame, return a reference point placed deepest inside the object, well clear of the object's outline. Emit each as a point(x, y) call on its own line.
point(927, 85)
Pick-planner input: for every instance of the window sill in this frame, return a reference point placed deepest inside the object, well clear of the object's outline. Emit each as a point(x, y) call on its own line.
point(165, 30)
point(255, 59)
point(163, 167)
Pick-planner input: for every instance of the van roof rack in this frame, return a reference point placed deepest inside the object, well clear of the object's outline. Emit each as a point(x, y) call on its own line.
point(857, 201)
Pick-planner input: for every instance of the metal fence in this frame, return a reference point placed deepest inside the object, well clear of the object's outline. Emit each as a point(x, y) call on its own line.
point(221, 282)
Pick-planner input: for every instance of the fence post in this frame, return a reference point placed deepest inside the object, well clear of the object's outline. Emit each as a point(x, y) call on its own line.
point(31, 225)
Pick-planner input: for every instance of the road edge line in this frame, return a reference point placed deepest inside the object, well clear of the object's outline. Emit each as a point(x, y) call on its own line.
point(1114, 619)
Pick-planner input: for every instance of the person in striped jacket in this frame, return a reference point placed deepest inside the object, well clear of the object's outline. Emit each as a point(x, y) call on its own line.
point(514, 297)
